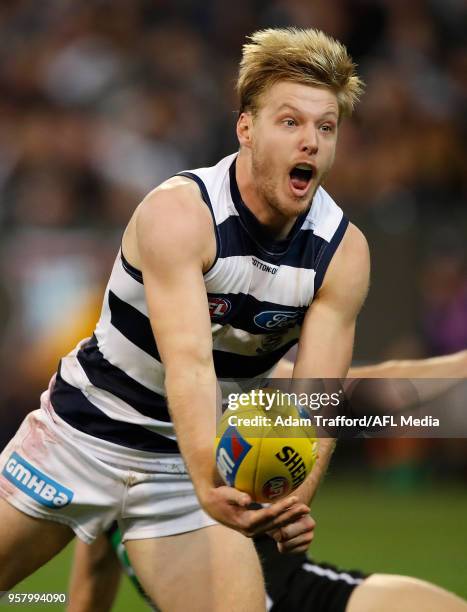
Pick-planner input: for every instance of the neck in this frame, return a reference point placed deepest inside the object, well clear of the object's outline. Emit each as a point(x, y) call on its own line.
point(278, 224)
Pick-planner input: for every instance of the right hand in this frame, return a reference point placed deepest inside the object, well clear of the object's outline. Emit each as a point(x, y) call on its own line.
point(231, 508)
point(295, 538)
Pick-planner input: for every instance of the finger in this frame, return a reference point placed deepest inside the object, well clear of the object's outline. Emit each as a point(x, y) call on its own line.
point(296, 513)
point(235, 497)
point(269, 518)
point(303, 525)
point(266, 522)
point(295, 545)
point(277, 507)
point(298, 550)
point(285, 503)
point(263, 515)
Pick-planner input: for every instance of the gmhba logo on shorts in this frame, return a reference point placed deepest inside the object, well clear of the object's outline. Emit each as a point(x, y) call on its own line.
point(277, 319)
point(35, 483)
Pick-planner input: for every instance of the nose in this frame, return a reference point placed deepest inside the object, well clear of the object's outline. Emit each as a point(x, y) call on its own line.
point(309, 143)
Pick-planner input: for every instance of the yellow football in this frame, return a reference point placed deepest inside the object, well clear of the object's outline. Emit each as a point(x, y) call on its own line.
point(265, 447)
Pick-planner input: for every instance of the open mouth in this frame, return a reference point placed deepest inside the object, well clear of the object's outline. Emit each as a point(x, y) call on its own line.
point(300, 178)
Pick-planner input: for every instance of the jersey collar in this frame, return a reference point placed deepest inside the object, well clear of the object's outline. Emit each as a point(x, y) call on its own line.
point(254, 227)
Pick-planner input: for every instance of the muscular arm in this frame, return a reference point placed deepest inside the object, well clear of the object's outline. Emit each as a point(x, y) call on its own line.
point(325, 351)
point(326, 342)
point(173, 232)
point(175, 243)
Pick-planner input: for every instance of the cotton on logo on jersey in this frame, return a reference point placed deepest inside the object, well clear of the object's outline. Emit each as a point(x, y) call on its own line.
point(35, 483)
point(218, 307)
point(264, 267)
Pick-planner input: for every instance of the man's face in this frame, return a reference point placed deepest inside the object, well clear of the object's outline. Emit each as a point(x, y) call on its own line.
point(293, 142)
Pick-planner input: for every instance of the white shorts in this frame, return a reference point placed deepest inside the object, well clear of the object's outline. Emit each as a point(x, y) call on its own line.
point(46, 473)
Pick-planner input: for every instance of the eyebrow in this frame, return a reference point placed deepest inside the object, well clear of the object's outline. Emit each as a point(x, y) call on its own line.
point(285, 106)
point(330, 112)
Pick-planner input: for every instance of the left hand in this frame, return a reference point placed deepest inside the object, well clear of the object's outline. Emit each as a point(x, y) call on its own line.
point(295, 537)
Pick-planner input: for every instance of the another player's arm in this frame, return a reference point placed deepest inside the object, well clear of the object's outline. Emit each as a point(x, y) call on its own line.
point(445, 366)
point(327, 337)
point(176, 243)
point(398, 386)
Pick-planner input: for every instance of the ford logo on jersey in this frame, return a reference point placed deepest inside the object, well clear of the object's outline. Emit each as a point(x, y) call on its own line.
point(35, 483)
point(276, 319)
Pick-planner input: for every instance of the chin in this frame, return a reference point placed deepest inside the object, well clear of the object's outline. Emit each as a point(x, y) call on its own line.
point(294, 207)
point(288, 205)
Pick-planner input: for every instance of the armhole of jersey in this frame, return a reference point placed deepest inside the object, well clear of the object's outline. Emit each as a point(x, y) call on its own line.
point(327, 251)
point(205, 196)
point(129, 269)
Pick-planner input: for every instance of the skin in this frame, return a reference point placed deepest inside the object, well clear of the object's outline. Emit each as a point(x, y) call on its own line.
point(27, 543)
point(294, 124)
point(95, 576)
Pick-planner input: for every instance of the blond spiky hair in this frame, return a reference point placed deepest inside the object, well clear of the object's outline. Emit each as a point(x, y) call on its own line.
point(309, 57)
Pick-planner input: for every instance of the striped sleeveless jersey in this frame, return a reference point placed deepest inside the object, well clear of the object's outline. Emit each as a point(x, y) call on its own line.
point(112, 386)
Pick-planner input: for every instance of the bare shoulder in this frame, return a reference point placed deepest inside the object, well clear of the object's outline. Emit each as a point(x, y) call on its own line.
point(351, 257)
point(354, 246)
point(171, 215)
point(175, 205)
point(173, 193)
point(347, 277)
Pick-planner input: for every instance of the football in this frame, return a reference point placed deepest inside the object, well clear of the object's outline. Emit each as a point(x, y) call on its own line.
point(264, 445)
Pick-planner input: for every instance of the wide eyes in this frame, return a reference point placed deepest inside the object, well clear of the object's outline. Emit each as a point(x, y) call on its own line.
point(326, 128)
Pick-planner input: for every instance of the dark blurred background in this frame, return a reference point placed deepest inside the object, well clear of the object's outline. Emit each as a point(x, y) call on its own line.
point(102, 100)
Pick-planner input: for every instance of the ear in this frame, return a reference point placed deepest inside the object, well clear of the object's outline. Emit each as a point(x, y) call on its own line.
point(245, 129)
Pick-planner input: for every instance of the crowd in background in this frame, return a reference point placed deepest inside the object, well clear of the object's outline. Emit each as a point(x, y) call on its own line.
point(101, 100)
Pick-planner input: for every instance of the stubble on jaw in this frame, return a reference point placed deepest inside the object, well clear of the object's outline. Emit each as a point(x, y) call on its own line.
point(264, 181)
point(266, 187)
